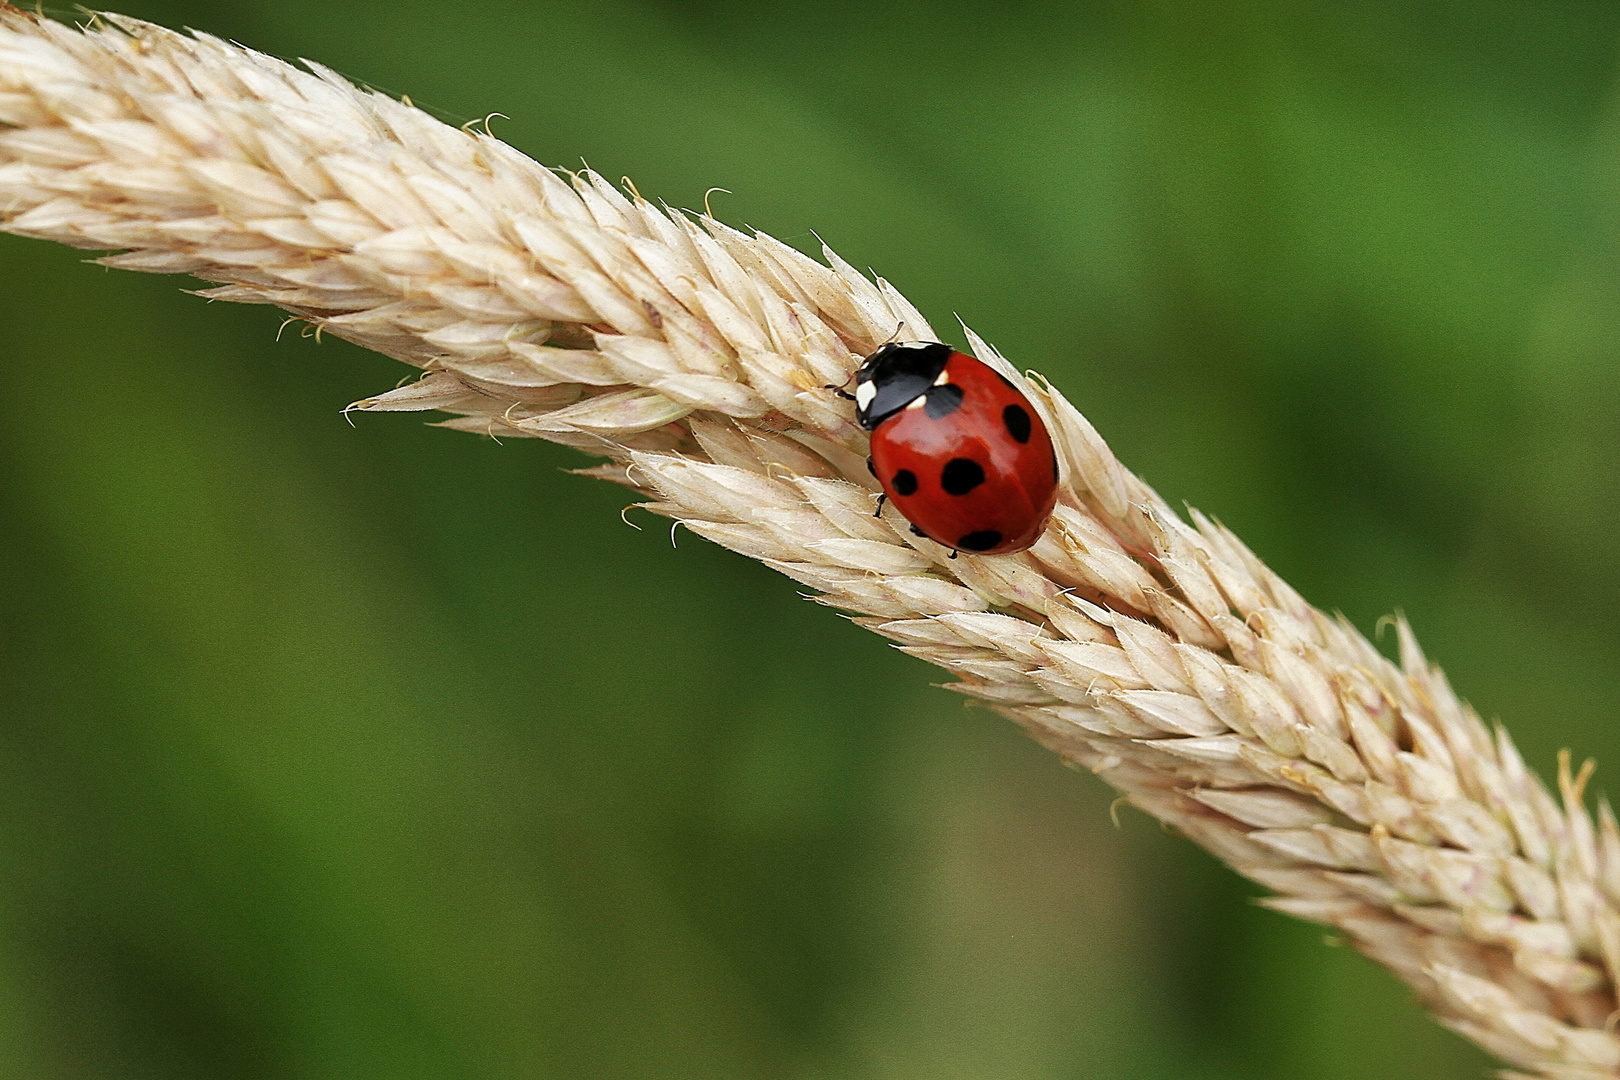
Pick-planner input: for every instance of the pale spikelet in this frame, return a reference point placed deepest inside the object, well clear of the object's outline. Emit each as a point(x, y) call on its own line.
point(1157, 652)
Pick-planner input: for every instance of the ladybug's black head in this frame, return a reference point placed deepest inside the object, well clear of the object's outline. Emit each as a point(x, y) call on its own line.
point(894, 377)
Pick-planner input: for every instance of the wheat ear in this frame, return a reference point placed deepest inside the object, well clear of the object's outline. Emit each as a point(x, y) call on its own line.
point(1160, 654)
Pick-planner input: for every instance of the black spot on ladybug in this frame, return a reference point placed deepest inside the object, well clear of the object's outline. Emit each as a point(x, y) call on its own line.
point(1017, 421)
point(941, 401)
point(961, 475)
point(904, 482)
point(982, 540)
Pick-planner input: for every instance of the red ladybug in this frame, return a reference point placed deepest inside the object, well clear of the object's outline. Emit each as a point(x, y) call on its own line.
point(956, 447)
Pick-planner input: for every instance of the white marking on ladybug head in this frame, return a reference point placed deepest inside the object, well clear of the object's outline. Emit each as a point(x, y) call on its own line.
point(916, 402)
point(944, 379)
point(864, 393)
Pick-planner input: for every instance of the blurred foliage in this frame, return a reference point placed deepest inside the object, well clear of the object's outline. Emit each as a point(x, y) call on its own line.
point(393, 753)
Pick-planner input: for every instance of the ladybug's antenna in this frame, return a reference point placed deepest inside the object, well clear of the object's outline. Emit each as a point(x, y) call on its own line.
point(839, 390)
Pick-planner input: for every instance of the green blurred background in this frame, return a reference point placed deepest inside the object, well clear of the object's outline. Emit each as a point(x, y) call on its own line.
point(382, 751)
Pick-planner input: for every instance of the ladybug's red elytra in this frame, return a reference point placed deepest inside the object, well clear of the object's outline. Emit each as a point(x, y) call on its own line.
point(957, 448)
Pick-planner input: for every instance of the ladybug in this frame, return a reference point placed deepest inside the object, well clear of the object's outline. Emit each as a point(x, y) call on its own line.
point(957, 448)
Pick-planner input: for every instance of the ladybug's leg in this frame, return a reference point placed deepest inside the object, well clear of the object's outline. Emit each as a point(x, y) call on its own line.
point(954, 554)
point(871, 468)
point(882, 498)
point(918, 532)
point(839, 391)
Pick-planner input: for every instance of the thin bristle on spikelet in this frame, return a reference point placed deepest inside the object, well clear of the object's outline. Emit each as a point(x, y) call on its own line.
point(1159, 653)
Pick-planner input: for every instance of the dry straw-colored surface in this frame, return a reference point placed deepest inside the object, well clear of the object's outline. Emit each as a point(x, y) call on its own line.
point(1160, 654)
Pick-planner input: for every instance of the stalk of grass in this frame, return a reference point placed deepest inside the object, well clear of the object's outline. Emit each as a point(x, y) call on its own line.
point(694, 359)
